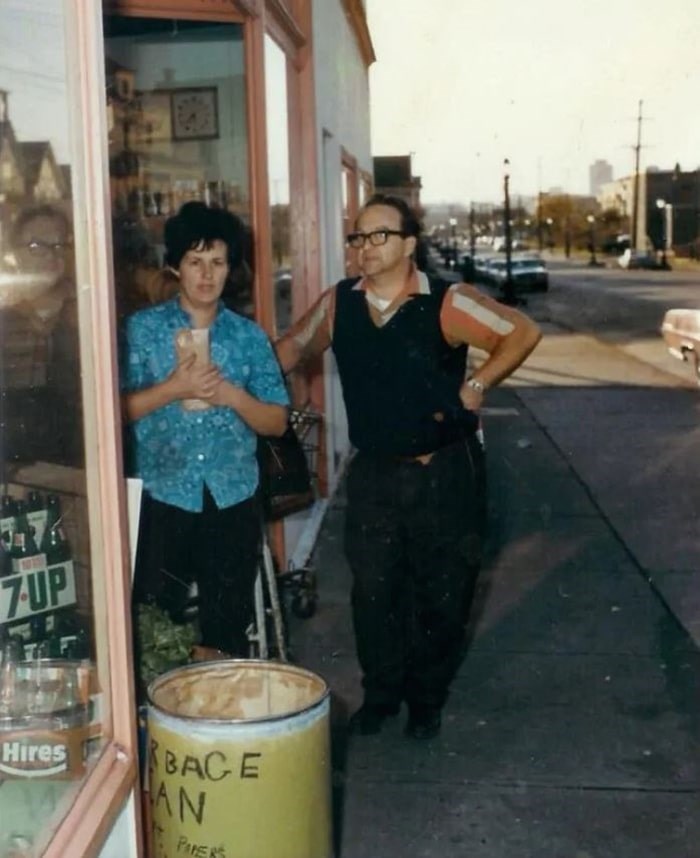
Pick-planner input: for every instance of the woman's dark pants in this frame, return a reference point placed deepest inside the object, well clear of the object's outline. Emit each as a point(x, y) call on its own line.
point(217, 548)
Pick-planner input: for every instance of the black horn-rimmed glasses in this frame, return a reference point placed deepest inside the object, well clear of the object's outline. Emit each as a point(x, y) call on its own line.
point(376, 238)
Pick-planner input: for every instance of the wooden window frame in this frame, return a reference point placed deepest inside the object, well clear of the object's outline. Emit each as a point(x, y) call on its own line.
point(103, 794)
point(225, 11)
point(305, 209)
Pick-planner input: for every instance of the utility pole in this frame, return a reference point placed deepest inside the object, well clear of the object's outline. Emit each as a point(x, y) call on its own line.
point(508, 289)
point(540, 243)
point(635, 193)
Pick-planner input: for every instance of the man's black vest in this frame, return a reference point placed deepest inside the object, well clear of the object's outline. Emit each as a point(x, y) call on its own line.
point(400, 381)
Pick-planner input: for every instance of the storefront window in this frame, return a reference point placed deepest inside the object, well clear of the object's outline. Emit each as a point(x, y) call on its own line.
point(277, 114)
point(53, 699)
point(176, 99)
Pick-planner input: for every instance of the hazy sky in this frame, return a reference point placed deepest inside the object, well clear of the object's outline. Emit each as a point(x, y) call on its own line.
point(552, 85)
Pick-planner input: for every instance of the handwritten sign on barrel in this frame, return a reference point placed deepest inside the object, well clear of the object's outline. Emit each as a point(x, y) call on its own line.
point(239, 762)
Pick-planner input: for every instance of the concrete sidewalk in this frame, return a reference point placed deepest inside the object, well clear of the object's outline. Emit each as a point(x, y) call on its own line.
point(572, 728)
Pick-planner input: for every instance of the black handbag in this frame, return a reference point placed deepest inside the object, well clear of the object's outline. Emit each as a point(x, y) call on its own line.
point(285, 479)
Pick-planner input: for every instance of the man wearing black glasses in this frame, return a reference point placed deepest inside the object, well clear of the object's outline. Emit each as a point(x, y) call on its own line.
point(415, 488)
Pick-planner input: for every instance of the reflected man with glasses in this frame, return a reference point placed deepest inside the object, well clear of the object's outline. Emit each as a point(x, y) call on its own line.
point(416, 501)
point(40, 339)
point(42, 245)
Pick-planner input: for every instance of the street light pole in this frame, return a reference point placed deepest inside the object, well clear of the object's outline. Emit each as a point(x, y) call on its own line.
point(661, 206)
point(472, 232)
point(453, 241)
point(591, 240)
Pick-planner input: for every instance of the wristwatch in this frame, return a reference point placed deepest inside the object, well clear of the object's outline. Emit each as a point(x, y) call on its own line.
point(476, 385)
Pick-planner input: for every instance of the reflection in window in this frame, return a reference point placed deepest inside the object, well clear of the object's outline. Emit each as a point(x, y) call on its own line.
point(365, 188)
point(278, 173)
point(349, 199)
point(48, 683)
point(177, 132)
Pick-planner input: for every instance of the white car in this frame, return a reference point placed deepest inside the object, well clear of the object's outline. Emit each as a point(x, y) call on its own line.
point(681, 332)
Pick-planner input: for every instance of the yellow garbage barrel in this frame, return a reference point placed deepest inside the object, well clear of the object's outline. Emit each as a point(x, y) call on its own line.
point(239, 761)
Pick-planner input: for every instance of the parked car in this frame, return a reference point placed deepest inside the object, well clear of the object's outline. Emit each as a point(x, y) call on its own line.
point(637, 259)
point(681, 332)
point(528, 273)
point(481, 268)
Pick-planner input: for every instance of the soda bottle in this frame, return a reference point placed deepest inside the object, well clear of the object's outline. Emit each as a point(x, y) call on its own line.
point(8, 510)
point(5, 556)
point(35, 502)
point(50, 647)
point(23, 544)
point(12, 654)
point(79, 646)
point(54, 543)
point(8, 507)
point(37, 628)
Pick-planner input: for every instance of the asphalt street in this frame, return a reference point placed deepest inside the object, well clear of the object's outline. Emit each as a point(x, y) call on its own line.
point(572, 729)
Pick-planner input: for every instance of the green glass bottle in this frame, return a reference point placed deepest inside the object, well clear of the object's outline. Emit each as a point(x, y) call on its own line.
point(8, 507)
point(54, 543)
point(35, 502)
point(23, 544)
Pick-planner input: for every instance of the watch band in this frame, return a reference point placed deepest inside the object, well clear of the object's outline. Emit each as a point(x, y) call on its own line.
point(477, 385)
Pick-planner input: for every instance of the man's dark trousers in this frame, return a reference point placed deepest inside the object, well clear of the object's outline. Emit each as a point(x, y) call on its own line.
point(413, 540)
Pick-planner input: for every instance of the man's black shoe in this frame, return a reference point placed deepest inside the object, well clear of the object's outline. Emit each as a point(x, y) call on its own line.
point(423, 722)
point(369, 718)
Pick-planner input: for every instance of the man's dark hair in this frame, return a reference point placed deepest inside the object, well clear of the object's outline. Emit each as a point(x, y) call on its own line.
point(197, 225)
point(410, 225)
point(36, 212)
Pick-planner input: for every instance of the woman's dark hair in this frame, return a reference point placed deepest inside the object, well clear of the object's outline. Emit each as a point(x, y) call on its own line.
point(410, 225)
point(195, 226)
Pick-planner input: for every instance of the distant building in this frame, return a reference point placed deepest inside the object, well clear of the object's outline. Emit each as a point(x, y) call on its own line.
point(393, 174)
point(668, 208)
point(599, 173)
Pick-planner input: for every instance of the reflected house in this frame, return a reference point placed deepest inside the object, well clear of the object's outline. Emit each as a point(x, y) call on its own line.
point(12, 182)
point(45, 177)
point(29, 172)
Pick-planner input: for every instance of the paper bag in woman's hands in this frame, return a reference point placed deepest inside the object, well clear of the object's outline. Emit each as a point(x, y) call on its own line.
point(193, 341)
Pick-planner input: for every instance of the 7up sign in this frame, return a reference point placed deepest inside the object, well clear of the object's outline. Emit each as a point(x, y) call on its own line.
point(36, 590)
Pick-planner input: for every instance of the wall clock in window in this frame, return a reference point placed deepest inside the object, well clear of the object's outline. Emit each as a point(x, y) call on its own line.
point(195, 114)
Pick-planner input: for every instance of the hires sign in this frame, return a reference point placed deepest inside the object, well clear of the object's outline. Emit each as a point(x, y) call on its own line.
point(34, 591)
point(50, 754)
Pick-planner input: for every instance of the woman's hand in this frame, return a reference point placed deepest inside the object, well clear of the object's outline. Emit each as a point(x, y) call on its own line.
point(190, 380)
